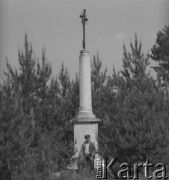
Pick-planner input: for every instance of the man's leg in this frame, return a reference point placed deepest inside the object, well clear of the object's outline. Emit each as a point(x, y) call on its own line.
point(92, 166)
point(80, 167)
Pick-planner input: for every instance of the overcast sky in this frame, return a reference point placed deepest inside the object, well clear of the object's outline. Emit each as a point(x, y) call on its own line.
point(56, 25)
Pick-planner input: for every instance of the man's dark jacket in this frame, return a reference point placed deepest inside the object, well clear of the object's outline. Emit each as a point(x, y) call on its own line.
point(92, 149)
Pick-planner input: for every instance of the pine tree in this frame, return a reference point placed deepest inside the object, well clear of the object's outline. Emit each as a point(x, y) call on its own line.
point(136, 127)
point(160, 53)
point(17, 131)
point(33, 75)
point(23, 97)
point(99, 80)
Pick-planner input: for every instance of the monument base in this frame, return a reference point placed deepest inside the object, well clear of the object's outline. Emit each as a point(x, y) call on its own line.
point(83, 126)
point(85, 115)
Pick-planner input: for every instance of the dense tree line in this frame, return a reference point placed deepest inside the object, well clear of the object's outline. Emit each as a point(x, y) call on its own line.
point(36, 109)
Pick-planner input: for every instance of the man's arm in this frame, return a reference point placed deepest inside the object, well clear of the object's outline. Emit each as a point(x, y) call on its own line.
point(83, 147)
point(81, 153)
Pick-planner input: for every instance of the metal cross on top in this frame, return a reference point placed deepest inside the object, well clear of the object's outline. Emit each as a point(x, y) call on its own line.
point(84, 19)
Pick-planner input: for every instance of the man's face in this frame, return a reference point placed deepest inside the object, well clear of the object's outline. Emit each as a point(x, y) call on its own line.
point(88, 139)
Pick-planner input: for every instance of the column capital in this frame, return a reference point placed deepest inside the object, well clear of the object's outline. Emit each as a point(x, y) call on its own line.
point(85, 120)
point(84, 51)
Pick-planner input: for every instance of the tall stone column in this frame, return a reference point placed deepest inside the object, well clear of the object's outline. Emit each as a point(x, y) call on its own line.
point(85, 109)
point(85, 122)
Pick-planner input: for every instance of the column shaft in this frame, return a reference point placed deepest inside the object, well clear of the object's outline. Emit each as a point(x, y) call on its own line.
point(85, 108)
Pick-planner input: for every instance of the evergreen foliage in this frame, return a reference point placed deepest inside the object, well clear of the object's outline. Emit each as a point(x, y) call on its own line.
point(136, 125)
point(160, 52)
point(36, 134)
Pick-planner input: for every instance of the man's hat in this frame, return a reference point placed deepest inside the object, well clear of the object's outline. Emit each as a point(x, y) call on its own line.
point(87, 136)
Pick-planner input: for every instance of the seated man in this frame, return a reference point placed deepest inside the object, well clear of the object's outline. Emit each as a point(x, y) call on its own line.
point(87, 154)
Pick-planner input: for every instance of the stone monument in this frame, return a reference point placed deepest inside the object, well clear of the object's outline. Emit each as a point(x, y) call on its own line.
point(85, 122)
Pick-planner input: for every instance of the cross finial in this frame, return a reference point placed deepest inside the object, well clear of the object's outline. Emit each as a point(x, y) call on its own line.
point(84, 19)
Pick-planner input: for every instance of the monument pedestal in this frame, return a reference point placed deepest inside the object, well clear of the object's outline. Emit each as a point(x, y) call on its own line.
point(83, 126)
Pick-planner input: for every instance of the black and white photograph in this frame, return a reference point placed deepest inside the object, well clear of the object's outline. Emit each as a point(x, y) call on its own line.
point(84, 89)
